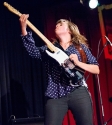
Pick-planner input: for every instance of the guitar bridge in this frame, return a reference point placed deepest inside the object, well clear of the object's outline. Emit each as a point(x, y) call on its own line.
point(69, 64)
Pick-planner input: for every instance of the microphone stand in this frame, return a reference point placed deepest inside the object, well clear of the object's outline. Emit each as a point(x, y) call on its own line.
point(102, 109)
point(107, 121)
point(104, 123)
point(99, 90)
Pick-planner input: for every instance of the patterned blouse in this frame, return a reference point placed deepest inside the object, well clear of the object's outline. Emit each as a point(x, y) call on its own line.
point(57, 85)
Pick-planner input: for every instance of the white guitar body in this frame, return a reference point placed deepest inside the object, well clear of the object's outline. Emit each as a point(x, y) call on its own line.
point(58, 55)
point(63, 59)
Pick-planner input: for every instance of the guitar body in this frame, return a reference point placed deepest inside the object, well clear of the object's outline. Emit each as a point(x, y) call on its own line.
point(73, 80)
point(74, 73)
point(58, 55)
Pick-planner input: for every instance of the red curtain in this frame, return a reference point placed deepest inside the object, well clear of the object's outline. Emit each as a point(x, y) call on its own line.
point(107, 14)
point(105, 18)
point(100, 87)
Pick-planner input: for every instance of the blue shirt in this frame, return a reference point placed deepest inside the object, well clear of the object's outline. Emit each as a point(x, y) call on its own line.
point(57, 86)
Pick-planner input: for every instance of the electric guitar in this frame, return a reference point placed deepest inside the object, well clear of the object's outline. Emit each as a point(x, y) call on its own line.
point(72, 72)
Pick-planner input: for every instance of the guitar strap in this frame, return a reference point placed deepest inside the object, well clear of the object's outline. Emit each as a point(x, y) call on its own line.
point(82, 54)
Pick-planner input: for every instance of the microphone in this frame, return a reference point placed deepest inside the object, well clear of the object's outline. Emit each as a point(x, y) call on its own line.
point(108, 40)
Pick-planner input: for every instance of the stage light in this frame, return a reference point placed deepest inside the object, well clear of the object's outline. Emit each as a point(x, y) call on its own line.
point(90, 3)
point(93, 4)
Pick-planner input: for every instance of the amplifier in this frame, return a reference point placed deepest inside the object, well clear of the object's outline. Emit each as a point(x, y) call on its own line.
point(28, 121)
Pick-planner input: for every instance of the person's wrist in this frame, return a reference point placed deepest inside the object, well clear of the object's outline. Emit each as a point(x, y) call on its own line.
point(77, 63)
point(23, 28)
point(24, 32)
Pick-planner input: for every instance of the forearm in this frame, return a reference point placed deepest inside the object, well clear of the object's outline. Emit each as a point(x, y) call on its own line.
point(29, 44)
point(23, 31)
point(89, 67)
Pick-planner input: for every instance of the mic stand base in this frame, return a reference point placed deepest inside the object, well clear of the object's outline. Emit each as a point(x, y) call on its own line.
point(108, 121)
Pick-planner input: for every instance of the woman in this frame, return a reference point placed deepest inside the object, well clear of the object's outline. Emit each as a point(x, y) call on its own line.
point(62, 94)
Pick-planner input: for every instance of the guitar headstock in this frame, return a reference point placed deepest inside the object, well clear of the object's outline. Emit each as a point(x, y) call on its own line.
point(12, 9)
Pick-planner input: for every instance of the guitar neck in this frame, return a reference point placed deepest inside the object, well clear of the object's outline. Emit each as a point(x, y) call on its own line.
point(48, 43)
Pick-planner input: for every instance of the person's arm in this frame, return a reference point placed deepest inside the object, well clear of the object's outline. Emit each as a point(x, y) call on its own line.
point(23, 18)
point(29, 44)
point(28, 40)
point(92, 64)
point(89, 67)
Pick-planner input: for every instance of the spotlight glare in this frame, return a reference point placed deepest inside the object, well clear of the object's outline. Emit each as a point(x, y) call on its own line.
point(93, 4)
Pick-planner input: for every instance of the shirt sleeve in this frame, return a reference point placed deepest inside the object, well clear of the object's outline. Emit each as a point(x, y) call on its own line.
point(90, 58)
point(29, 44)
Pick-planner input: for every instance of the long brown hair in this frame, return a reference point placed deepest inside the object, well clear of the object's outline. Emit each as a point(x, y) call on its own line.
point(76, 37)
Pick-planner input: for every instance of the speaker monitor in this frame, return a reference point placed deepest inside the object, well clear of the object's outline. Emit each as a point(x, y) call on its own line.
point(28, 121)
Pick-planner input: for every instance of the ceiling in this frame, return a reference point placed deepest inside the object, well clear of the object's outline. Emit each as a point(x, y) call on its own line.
point(105, 1)
point(64, 1)
point(51, 3)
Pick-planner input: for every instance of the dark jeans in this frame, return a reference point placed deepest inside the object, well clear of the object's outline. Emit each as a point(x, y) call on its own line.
point(79, 102)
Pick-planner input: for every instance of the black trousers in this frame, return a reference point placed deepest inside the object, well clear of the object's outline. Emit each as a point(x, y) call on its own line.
point(79, 102)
